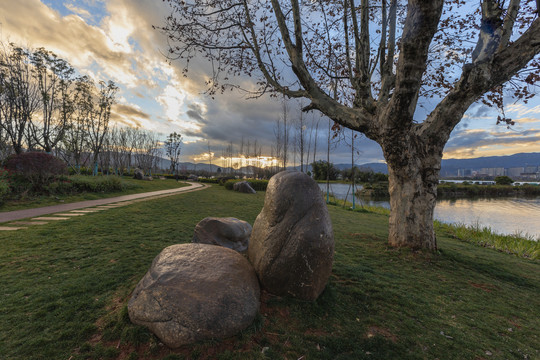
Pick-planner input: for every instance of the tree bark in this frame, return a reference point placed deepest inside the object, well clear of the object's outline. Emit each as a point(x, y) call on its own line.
point(413, 172)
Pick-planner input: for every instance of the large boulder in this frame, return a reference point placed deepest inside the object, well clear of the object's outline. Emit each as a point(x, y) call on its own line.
point(292, 242)
point(244, 187)
point(229, 232)
point(195, 292)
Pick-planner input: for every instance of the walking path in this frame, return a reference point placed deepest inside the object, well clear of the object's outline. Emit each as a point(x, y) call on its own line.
point(66, 211)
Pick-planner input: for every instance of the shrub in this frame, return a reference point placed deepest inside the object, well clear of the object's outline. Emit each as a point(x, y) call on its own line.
point(173, 176)
point(209, 180)
point(61, 186)
point(97, 183)
point(38, 168)
point(230, 183)
point(503, 180)
point(222, 180)
point(4, 185)
point(257, 185)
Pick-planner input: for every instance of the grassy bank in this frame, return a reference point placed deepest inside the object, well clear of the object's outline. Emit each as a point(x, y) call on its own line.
point(65, 287)
point(129, 186)
point(452, 190)
point(519, 244)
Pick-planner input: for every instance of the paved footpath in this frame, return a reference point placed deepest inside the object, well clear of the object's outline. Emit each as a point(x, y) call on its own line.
point(89, 206)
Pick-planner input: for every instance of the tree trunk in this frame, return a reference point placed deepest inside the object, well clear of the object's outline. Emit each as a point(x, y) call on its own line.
point(413, 179)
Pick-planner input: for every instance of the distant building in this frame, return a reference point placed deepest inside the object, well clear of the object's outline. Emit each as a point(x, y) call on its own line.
point(464, 172)
point(493, 172)
point(515, 171)
point(529, 176)
point(531, 169)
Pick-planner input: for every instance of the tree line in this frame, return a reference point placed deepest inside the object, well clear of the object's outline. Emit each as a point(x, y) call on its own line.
point(45, 105)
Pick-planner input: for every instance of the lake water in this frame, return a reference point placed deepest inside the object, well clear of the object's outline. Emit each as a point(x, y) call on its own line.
point(502, 215)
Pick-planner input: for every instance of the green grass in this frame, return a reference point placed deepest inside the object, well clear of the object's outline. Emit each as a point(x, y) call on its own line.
point(519, 244)
point(131, 186)
point(65, 287)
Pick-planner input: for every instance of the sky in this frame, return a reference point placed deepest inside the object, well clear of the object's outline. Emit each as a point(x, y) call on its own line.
point(114, 40)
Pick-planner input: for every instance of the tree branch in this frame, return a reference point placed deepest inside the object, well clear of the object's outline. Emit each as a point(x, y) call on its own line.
point(509, 21)
point(387, 63)
point(358, 119)
point(491, 29)
point(255, 48)
point(479, 78)
point(420, 27)
point(297, 26)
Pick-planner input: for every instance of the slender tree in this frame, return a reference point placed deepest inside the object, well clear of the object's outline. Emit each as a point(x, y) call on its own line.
point(75, 141)
point(301, 136)
point(173, 149)
point(54, 78)
point(100, 106)
point(419, 51)
point(19, 95)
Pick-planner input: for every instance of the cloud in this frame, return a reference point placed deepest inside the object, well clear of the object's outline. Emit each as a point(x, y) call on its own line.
point(79, 11)
point(522, 110)
point(479, 142)
point(128, 114)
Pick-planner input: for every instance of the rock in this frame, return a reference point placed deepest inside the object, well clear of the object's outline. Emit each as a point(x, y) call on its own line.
point(196, 292)
point(138, 174)
point(292, 243)
point(243, 187)
point(229, 232)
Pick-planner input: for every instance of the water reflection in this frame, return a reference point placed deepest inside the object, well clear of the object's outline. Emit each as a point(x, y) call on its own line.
point(502, 215)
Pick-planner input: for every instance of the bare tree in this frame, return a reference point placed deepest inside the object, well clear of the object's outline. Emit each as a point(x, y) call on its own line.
point(100, 106)
point(420, 50)
point(301, 136)
point(173, 148)
point(146, 147)
point(19, 95)
point(210, 156)
point(54, 78)
point(75, 145)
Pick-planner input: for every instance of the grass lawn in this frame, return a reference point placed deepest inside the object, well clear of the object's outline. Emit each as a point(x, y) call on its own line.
point(131, 185)
point(65, 288)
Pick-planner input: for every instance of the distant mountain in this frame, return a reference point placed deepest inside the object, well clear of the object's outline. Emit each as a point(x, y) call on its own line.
point(375, 167)
point(450, 167)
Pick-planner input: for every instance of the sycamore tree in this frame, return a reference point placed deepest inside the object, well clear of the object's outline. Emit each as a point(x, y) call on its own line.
point(402, 73)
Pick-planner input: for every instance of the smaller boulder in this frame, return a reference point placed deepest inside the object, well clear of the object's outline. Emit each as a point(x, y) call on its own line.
point(195, 292)
point(138, 174)
point(243, 187)
point(228, 232)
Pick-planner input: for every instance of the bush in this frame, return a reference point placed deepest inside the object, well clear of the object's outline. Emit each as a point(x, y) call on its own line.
point(173, 176)
point(37, 168)
point(97, 183)
point(4, 185)
point(60, 187)
point(222, 180)
point(257, 185)
point(503, 180)
point(209, 180)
